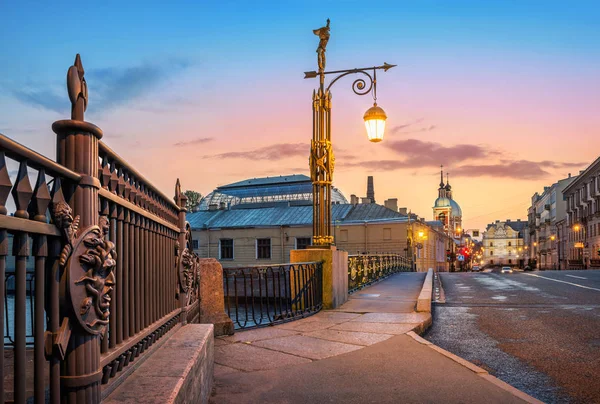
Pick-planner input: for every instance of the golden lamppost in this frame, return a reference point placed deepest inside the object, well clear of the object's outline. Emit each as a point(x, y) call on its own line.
point(321, 151)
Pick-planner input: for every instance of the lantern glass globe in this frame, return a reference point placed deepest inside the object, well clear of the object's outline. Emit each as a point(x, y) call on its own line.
point(375, 118)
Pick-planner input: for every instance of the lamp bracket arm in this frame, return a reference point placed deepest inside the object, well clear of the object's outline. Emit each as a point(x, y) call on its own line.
point(360, 86)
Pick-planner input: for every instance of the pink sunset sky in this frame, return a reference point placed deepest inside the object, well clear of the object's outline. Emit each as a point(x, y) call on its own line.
point(508, 105)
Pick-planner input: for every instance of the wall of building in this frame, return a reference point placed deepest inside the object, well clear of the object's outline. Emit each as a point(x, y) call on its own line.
point(502, 245)
point(583, 217)
point(355, 238)
point(283, 240)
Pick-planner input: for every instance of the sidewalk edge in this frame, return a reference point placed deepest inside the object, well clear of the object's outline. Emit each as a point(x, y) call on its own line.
point(477, 370)
point(424, 299)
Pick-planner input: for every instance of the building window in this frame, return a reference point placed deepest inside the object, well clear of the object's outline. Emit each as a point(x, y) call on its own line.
point(263, 248)
point(510, 245)
point(343, 235)
point(491, 262)
point(387, 233)
point(491, 244)
point(226, 249)
point(302, 243)
point(491, 253)
point(510, 261)
point(195, 244)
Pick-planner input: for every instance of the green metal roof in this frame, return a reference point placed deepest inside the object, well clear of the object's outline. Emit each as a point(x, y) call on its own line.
point(287, 214)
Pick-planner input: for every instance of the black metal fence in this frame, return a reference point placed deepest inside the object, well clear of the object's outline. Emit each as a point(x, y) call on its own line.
point(265, 295)
point(364, 270)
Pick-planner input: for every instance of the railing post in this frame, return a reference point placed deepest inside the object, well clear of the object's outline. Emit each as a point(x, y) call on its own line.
point(77, 149)
point(180, 200)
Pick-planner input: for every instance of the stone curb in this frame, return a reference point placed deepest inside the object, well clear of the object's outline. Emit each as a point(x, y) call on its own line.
point(476, 369)
point(424, 299)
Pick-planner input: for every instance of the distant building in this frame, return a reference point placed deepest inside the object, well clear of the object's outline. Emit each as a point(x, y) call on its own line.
point(543, 236)
point(259, 221)
point(503, 243)
point(582, 228)
point(446, 210)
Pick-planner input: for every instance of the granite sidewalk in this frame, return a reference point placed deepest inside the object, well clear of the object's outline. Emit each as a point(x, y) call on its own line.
point(363, 352)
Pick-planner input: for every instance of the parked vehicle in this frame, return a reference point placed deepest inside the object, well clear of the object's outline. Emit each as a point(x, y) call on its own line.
point(476, 269)
point(506, 270)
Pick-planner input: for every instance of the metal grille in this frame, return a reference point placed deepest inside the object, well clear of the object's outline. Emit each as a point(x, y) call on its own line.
point(265, 295)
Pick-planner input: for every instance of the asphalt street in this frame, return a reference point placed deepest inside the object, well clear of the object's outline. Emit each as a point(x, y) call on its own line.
point(538, 331)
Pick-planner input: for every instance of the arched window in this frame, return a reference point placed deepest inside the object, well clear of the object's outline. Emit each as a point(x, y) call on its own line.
point(442, 218)
point(509, 244)
point(491, 244)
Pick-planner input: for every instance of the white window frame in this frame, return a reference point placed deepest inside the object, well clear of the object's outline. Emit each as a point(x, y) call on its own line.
point(296, 241)
point(232, 250)
point(270, 248)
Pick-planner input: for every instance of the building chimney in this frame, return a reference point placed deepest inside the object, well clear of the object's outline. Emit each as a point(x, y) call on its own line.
point(569, 175)
point(392, 204)
point(212, 206)
point(222, 206)
point(370, 189)
point(366, 201)
point(354, 199)
point(403, 211)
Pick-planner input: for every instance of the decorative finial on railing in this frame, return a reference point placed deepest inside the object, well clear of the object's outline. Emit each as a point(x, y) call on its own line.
point(77, 88)
point(180, 198)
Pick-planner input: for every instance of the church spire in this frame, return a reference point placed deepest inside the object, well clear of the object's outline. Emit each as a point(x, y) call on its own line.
point(448, 187)
point(441, 189)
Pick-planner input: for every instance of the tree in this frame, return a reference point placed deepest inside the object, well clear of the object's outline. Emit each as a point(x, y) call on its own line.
point(193, 199)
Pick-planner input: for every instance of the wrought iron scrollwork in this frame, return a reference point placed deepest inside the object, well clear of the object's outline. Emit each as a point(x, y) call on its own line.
point(360, 86)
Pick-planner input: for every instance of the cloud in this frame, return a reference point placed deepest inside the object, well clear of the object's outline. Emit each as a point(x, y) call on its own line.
point(515, 169)
point(419, 154)
point(108, 87)
point(275, 152)
point(410, 127)
point(199, 140)
point(519, 169)
point(429, 154)
point(44, 98)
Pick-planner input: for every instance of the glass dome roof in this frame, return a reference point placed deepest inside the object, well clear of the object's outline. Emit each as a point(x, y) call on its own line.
point(267, 189)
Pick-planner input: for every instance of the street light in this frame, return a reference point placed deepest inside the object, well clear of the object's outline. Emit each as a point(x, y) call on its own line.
point(321, 150)
point(375, 123)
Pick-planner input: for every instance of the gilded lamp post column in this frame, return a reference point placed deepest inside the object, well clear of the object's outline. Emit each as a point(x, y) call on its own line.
point(321, 168)
point(321, 151)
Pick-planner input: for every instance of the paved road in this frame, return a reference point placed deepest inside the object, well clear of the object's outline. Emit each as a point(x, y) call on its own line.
point(538, 331)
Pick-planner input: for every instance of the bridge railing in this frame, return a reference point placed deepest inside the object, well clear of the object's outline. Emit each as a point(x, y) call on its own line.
point(258, 296)
point(113, 264)
point(366, 269)
point(26, 233)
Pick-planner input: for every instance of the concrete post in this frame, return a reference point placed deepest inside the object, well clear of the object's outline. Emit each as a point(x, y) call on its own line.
point(212, 303)
point(335, 272)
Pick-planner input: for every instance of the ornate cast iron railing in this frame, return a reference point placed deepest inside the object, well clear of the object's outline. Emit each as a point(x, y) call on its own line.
point(265, 295)
point(113, 268)
point(364, 270)
point(9, 307)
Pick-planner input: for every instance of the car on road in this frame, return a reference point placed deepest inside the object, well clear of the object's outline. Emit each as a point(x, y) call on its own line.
point(475, 268)
point(506, 270)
